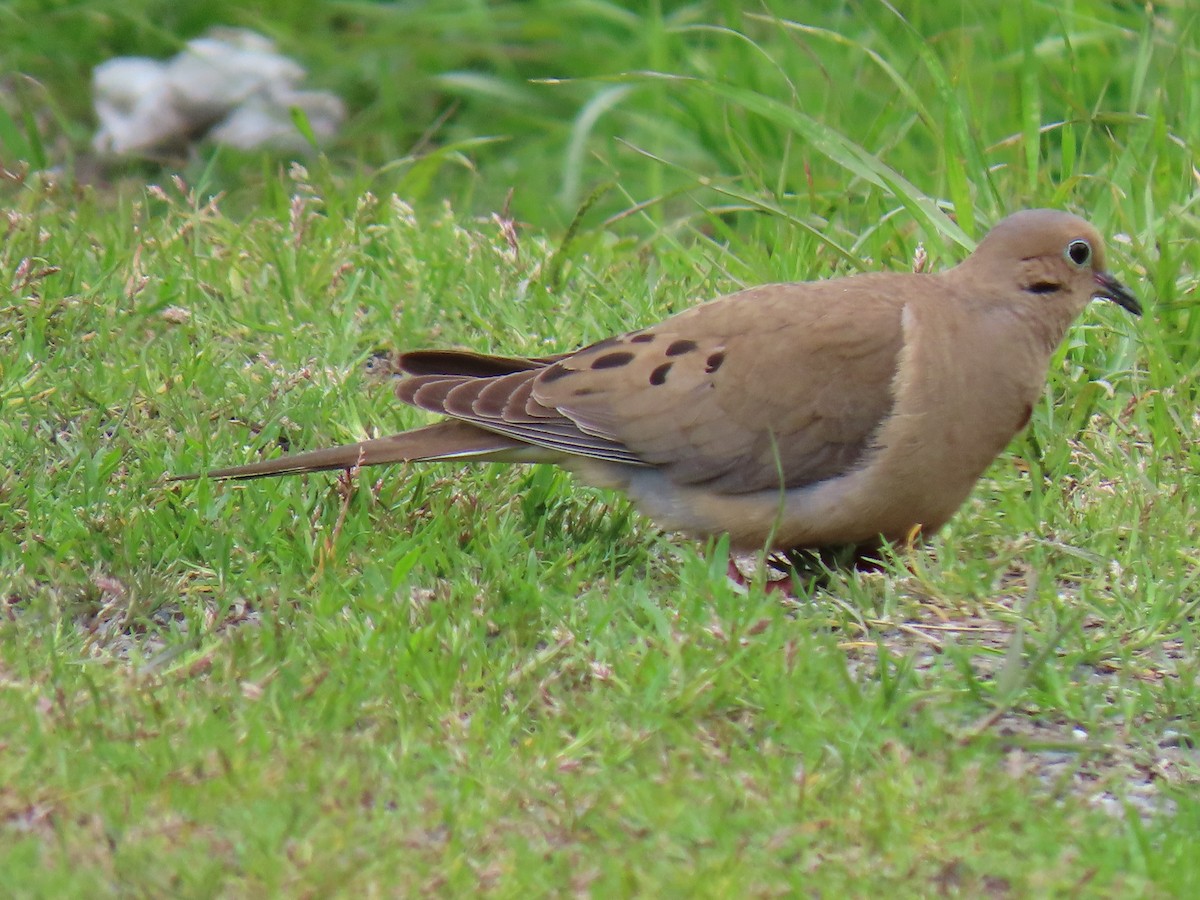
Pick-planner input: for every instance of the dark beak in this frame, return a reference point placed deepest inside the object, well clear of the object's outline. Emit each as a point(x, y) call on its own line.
point(1111, 289)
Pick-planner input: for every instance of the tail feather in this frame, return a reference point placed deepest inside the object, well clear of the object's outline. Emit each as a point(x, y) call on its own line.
point(442, 440)
point(467, 363)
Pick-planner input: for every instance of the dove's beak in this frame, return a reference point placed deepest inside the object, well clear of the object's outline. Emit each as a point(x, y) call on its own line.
point(1108, 288)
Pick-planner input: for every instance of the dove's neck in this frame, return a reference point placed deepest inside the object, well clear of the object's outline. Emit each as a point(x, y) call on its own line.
point(1004, 307)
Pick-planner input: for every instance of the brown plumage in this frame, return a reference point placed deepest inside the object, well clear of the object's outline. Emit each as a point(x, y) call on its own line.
point(787, 416)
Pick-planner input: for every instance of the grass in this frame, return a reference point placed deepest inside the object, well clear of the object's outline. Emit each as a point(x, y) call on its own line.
point(454, 680)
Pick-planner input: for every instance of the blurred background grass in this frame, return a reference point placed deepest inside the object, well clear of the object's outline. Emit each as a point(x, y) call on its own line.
point(988, 109)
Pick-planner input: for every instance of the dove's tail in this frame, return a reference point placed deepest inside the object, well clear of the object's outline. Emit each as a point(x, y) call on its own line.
point(442, 440)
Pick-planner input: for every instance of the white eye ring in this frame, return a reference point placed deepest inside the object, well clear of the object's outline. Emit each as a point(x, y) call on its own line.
point(1078, 253)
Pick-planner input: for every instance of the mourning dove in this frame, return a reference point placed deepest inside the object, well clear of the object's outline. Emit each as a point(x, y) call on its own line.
point(787, 416)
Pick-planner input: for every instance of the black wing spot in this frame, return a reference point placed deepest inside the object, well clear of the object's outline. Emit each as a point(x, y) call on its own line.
point(678, 348)
point(714, 362)
point(659, 375)
point(612, 360)
point(641, 339)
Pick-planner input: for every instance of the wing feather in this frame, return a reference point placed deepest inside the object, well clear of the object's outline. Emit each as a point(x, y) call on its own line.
point(781, 384)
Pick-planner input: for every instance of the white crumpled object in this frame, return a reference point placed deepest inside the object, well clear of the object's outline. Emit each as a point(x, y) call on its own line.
point(229, 86)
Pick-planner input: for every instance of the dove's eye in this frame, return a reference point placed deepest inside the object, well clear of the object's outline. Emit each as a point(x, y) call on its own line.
point(1079, 253)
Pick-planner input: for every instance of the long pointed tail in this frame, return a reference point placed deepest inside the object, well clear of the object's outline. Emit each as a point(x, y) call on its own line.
point(442, 440)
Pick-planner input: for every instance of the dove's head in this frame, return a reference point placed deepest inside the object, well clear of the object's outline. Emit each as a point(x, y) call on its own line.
point(1054, 257)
